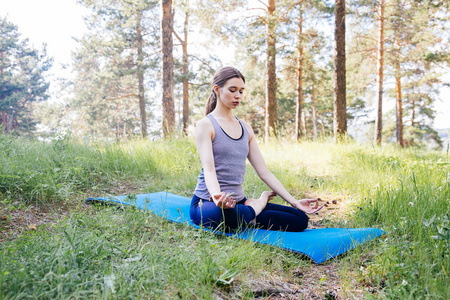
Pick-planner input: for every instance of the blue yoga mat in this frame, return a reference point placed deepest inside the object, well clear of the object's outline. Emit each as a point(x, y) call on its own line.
point(318, 244)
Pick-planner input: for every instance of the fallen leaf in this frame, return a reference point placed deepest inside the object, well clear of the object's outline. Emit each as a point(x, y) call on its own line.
point(32, 226)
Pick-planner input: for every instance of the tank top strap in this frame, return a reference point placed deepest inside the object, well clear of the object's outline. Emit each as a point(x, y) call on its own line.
point(219, 130)
point(214, 122)
point(244, 129)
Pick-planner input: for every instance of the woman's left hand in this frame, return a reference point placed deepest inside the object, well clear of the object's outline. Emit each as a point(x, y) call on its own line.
point(305, 205)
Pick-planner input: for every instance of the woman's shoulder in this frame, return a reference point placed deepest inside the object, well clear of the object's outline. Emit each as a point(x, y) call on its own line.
point(204, 122)
point(204, 125)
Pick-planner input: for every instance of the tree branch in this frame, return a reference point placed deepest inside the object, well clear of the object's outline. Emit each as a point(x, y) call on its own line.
point(366, 37)
point(263, 4)
point(178, 37)
point(121, 97)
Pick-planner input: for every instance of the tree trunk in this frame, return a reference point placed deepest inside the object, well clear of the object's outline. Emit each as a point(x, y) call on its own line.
point(168, 121)
point(322, 127)
point(314, 113)
point(379, 119)
point(271, 81)
point(304, 124)
point(340, 105)
point(140, 73)
point(4, 119)
point(399, 109)
point(413, 117)
point(298, 113)
point(185, 71)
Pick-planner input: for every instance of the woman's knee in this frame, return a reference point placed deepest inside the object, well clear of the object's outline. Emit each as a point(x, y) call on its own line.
point(290, 220)
point(302, 223)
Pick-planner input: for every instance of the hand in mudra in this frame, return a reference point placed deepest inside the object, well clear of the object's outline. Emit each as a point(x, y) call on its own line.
point(223, 200)
point(308, 206)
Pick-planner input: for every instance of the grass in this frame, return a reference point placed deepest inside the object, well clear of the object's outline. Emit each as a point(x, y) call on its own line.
point(107, 252)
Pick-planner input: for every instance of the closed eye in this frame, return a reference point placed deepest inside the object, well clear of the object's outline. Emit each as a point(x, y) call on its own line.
point(234, 89)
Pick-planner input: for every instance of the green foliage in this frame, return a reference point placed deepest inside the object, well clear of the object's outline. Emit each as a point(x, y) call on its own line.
point(43, 172)
point(133, 254)
point(115, 253)
point(22, 80)
point(108, 67)
point(414, 53)
point(407, 194)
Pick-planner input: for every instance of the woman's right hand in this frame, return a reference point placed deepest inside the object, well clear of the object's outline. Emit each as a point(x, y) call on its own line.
point(223, 200)
point(305, 205)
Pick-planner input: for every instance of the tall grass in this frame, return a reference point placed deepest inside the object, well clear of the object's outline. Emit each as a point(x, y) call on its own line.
point(135, 255)
point(33, 171)
point(131, 254)
point(409, 196)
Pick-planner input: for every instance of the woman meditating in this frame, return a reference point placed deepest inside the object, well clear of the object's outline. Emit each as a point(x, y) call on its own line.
point(224, 143)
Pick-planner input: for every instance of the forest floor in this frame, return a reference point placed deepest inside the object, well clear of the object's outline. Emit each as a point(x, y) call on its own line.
point(53, 245)
point(323, 281)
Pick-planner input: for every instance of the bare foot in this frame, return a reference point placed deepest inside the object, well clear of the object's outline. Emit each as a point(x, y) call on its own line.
point(259, 204)
point(270, 195)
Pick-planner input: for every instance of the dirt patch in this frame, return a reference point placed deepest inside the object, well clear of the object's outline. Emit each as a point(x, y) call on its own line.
point(15, 221)
point(324, 281)
point(315, 282)
point(335, 209)
point(16, 218)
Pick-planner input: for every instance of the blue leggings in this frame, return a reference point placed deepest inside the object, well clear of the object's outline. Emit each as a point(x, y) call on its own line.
point(274, 216)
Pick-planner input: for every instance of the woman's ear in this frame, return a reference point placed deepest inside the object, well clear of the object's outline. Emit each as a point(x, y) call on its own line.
point(216, 89)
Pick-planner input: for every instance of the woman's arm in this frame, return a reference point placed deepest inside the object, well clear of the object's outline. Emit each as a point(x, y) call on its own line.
point(256, 159)
point(204, 134)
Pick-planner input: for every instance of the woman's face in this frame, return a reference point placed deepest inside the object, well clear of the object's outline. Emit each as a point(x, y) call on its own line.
point(231, 93)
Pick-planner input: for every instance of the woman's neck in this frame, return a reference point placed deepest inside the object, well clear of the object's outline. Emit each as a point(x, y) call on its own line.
point(223, 113)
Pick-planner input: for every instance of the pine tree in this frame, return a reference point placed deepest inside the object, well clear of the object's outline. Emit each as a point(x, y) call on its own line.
point(115, 55)
point(270, 128)
point(168, 121)
point(407, 32)
point(299, 106)
point(22, 79)
point(380, 74)
point(185, 66)
point(340, 100)
point(302, 84)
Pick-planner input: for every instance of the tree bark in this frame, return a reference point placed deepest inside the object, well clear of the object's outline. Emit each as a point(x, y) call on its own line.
point(298, 113)
point(340, 105)
point(185, 71)
point(314, 113)
point(4, 119)
point(413, 117)
point(399, 109)
point(379, 119)
point(140, 73)
point(270, 128)
point(168, 121)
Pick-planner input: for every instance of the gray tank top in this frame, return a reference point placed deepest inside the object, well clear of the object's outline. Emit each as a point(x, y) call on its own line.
point(229, 159)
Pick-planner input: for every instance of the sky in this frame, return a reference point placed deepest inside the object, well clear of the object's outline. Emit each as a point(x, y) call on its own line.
point(54, 22)
point(58, 22)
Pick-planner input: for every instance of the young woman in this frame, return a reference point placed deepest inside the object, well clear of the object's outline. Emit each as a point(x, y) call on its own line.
point(224, 143)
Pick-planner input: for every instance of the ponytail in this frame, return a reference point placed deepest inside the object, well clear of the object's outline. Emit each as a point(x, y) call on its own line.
point(220, 78)
point(212, 102)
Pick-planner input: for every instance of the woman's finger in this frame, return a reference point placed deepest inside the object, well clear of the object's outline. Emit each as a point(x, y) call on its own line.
point(316, 210)
point(316, 201)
